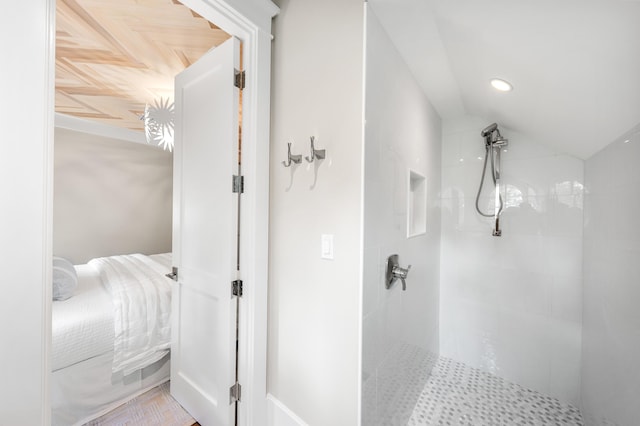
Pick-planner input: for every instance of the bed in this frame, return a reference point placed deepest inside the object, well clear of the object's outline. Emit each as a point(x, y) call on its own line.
point(110, 340)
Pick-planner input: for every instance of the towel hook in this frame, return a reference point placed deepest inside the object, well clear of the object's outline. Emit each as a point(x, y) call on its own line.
point(315, 153)
point(295, 158)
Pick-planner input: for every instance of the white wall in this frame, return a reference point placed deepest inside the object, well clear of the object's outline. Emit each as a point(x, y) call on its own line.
point(611, 319)
point(25, 166)
point(314, 303)
point(110, 197)
point(400, 328)
point(512, 305)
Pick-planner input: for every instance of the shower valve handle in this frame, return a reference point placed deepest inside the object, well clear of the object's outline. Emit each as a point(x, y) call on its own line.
point(401, 273)
point(395, 272)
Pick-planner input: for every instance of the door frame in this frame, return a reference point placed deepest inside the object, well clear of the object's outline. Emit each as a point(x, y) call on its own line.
point(249, 21)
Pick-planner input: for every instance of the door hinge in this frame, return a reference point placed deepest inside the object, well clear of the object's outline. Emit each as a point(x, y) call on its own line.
point(235, 393)
point(173, 274)
point(236, 288)
point(238, 184)
point(239, 79)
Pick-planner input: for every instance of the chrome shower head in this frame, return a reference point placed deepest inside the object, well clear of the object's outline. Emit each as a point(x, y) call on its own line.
point(492, 136)
point(489, 129)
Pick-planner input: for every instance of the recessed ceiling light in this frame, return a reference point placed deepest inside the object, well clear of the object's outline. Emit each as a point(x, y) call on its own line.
point(501, 85)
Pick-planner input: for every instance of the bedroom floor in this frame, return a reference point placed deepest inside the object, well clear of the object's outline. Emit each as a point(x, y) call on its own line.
point(153, 408)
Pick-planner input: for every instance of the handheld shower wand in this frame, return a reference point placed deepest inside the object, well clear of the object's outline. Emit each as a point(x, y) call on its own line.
point(493, 146)
point(489, 129)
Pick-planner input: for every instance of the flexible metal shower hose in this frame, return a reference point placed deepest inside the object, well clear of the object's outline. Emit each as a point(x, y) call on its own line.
point(493, 176)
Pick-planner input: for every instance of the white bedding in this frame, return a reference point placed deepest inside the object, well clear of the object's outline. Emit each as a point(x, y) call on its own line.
point(83, 326)
point(163, 259)
point(141, 296)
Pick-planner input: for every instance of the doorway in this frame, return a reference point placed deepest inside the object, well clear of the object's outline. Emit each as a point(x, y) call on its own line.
point(250, 24)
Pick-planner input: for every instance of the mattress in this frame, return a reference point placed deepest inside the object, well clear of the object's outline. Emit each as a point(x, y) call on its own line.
point(83, 325)
point(88, 389)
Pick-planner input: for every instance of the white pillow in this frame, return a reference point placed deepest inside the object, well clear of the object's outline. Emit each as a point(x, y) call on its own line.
point(65, 279)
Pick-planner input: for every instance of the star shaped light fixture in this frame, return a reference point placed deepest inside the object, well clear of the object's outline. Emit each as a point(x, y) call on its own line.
point(159, 123)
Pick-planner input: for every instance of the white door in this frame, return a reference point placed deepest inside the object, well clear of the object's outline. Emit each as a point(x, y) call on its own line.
point(205, 217)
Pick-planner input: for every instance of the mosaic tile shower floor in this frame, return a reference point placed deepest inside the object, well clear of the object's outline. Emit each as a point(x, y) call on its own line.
point(458, 395)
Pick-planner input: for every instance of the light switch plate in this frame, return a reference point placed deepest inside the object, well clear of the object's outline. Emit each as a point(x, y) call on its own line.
point(326, 243)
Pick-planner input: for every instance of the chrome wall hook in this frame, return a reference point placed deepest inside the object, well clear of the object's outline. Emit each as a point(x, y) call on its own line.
point(315, 153)
point(291, 158)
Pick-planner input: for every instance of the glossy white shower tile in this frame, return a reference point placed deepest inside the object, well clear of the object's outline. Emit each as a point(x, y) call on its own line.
point(526, 277)
point(371, 280)
point(466, 124)
point(391, 321)
point(622, 210)
point(523, 147)
point(484, 320)
point(565, 347)
point(451, 151)
point(567, 212)
point(611, 320)
point(402, 133)
point(370, 339)
point(530, 176)
point(471, 154)
point(565, 290)
point(453, 212)
point(548, 175)
point(525, 214)
point(379, 211)
point(470, 221)
point(528, 253)
point(525, 338)
point(622, 162)
point(511, 287)
point(453, 181)
point(536, 292)
point(564, 256)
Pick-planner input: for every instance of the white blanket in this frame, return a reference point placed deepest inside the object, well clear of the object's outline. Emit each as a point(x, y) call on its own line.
point(142, 302)
point(82, 326)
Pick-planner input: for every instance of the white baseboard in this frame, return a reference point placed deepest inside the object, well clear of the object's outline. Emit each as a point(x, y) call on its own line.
point(280, 415)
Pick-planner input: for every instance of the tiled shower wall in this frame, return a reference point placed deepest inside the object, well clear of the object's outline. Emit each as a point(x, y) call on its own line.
point(512, 305)
point(611, 337)
point(400, 328)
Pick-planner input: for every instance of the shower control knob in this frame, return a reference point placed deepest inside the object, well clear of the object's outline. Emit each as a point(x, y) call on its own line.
point(401, 273)
point(395, 272)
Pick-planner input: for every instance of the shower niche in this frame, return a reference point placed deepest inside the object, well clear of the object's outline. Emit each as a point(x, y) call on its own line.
point(416, 204)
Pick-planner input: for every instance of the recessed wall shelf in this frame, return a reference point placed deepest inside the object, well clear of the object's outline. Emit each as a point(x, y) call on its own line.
point(416, 204)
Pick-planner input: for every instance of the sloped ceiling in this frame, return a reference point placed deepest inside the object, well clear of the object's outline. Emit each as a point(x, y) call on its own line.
point(574, 65)
point(115, 56)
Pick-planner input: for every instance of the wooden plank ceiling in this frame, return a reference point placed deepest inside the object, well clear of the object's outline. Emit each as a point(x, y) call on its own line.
point(115, 56)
